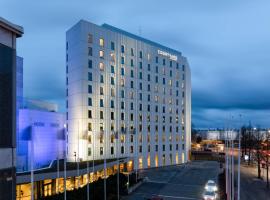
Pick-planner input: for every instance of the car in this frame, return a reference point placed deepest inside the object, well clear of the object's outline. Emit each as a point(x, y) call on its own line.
point(209, 195)
point(211, 186)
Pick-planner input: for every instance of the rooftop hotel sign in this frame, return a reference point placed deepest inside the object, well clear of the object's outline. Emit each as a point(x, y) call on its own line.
point(170, 56)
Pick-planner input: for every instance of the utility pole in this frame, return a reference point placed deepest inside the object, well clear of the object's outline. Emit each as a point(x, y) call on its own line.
point(239, 160)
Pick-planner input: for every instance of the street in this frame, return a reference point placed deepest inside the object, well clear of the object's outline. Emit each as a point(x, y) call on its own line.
point(177, 182)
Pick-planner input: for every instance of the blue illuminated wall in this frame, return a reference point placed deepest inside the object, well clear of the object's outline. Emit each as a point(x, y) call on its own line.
point(46, 131)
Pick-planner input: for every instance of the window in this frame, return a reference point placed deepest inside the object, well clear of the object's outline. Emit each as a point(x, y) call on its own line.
point(140, 148)
point(156, 79)
point(140, 65)
point(156, 147)
point(122, 71)
point(101, 151)
point(131, 106)
point(122, 94)
point(112, 92)
point(148, 67)
point(101, 78)
point(101, 54)
point(163, 147)
point(89, 151)
point(101, 115)
point(170, 73)
point(101, 42)
point(140, 86)
point(122, 105)
point(140, 75)
point(170, 63)
point(90, 51)
point(89, 89)
point(122, 60)
point(122, 150)
point(156, 69)
point(112, 115)
point(131, 73)
point(183, 68)
point(89, 126)
point(131, 149)
point(131, 84)
point(101, 66)
point(132, 52)
point(112, 150)
point(122, 116)
point(164, 61)
point(177, 65)
point(90, 38)
point(112, 103)
point(112, 80)
point(101, 91)
point(122, 49)
point(101, 104)
point(89, 114)
point(148, 77)
point(112, 46)
point(140, 96)
point(140, 54)
point(89, 101)
point(90, 76)
point(156, 59)
point(112, 69)
point(131, 63)
point(90, 64)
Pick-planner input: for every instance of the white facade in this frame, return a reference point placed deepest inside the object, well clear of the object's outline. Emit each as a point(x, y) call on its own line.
point(126, 97)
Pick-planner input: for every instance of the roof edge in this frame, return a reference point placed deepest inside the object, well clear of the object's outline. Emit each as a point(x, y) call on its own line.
point(18, 30)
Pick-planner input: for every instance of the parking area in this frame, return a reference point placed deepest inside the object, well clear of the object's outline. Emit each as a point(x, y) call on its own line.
point(177, 182)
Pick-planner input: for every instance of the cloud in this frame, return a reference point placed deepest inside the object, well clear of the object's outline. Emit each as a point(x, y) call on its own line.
point(227, 44)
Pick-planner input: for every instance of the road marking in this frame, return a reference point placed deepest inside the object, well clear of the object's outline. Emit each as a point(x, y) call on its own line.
point(167, 196)
point(164, 182)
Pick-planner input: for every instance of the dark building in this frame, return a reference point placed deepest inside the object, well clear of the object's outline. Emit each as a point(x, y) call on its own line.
point(8, 107)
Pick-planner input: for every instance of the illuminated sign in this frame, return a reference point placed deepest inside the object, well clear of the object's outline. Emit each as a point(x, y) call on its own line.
point(170, 56)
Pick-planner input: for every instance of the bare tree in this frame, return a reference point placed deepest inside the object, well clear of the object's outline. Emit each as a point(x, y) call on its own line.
point(258, 139)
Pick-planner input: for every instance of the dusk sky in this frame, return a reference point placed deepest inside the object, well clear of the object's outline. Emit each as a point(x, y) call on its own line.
point(226, 42)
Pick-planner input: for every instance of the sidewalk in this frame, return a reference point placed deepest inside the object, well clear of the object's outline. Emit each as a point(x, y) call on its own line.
point(253, 188)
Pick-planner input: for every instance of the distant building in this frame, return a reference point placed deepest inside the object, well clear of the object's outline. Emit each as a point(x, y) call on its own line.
point(127, 97)
point(41, 138)
point(8, 107)
point(221, 135)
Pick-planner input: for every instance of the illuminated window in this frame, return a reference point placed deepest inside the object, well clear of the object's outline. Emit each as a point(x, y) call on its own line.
point(101, 66)
point(101, 54)
point(148, 161)
point(101, 151)
point(101, 42)
point(122, 82)
point(89, 126)
point(112, 57)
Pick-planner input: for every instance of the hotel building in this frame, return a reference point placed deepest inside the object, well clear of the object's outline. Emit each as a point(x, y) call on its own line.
point(126, 97)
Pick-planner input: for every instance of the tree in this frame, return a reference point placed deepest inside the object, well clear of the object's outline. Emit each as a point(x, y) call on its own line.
point(258, 139)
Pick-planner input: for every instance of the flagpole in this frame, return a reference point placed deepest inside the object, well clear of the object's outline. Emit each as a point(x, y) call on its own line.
point(118, 167)
point(65, 163)
point(104, 154)
point(78, 157)
point(32, 161)
point(57, 146)
point(93, 162)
